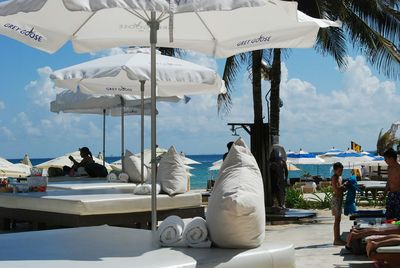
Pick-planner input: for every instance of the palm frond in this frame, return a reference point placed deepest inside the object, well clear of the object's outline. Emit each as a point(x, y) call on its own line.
point(380, 51)
point(232, 67)
point(332, 41)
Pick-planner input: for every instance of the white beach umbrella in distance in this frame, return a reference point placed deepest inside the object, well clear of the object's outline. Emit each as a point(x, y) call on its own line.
point(304, 158)
point(62, 161)
point(331, 152)
point(8, 169)
point(213, 27)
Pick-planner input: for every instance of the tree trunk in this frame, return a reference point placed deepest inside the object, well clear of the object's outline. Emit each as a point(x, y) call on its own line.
point(257, 97)
point(259, 134)
point(275, 98)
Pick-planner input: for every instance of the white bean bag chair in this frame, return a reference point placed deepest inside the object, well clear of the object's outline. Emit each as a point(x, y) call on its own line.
point(236, 211)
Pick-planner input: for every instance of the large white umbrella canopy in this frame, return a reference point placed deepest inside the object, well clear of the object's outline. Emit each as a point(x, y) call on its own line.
point(213, 27)
point(8, 169)
point(243, 25)
point(304, 158)
point(62, 161)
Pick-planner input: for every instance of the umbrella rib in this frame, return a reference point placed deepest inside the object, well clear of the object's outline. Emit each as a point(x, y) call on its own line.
point(84, 23)
point(137, 14)
point(209, 30)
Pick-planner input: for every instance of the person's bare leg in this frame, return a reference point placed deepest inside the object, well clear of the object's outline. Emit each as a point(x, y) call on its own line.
point(336, 232)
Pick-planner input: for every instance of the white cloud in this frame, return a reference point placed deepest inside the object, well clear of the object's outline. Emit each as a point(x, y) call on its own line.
point(108, 52)
point(6, 132)
point(201, 59)
point(2, 105)
point(42, 90)
point(22, 120)
point(353, 109)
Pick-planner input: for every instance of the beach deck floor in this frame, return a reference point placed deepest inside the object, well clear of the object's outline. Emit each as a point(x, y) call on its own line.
point(313, 243)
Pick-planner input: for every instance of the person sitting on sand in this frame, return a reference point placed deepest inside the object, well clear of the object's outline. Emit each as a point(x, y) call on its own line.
point(87, 159)
point(337, 201)
point(392, 185)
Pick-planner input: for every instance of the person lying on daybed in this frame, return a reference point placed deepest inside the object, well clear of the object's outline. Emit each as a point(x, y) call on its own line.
point(87, 159)
point(356, 234)
point(385, 241)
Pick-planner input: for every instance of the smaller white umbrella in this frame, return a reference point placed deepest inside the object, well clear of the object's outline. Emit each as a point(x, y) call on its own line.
point(304, 158)
point(62, 161)
point(114, 105)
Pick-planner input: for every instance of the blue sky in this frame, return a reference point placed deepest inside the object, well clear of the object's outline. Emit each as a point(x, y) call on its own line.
point(323, 107)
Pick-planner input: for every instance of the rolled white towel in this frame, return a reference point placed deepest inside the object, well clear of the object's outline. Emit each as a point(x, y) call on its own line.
point(112, 177)
point(170, 232)
point(145, 189)
point(195, 234)
point(123, 177)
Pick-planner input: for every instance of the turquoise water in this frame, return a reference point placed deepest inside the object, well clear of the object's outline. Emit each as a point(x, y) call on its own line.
point(201, 173)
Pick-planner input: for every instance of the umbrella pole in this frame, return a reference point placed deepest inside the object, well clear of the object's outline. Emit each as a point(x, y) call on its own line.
point(154, 26)
point(142, 131)
point(104, 137)
point(122, 133)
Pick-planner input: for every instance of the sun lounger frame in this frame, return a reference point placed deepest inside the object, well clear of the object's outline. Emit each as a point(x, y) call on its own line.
point(42, 220)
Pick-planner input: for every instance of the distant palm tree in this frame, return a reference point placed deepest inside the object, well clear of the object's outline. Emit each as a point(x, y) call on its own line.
point(385, 141)
point(371, 26)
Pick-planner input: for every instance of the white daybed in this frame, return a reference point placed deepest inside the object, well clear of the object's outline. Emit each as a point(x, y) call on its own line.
point(74, 208)
point(105, 246)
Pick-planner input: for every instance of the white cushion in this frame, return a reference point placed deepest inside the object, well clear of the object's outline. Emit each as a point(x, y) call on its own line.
point(132, 166)
point(236, 211)
point(172, 174)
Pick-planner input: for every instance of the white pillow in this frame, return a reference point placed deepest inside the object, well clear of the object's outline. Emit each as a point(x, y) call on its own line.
point(132, 165)
point(172, 174)
point(236, 211)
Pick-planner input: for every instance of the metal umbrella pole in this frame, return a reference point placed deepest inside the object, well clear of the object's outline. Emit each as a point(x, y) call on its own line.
point(154, 26)
point(104, 137)
point(122, 133)
point(142, 131)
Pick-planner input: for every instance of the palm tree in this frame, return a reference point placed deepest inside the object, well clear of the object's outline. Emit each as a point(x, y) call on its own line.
point(371, 26)
point(385, 141)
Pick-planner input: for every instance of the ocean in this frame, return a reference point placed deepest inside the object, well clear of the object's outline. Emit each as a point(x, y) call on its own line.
point(201, 173)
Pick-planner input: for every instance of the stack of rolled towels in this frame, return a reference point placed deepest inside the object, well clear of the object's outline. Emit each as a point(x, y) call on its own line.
point(175, 232)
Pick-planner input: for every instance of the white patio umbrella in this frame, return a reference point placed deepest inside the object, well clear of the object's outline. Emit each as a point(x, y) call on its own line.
point(62, 161)
point(114, 105)
point(209, 26)
point(304, 158)
point(129, 72)
point(8, 169)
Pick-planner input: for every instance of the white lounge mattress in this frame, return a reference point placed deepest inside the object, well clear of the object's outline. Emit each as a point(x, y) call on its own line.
point(90, 186)
point(105, 246)
point(392, 249)
point(95, 202)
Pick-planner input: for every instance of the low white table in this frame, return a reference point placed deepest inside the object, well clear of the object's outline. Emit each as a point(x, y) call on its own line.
point(114, 247)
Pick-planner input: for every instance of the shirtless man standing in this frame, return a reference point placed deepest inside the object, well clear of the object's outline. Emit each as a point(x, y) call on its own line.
point(393, 185)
